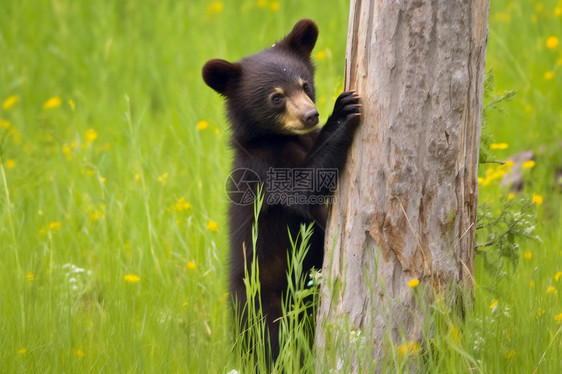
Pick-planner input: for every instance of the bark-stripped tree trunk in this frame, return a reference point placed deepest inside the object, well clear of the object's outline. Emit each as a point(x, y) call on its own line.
point(406, 204)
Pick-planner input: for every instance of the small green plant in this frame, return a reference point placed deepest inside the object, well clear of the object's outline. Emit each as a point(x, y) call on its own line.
point(503, 224)
point(299, 307)
point(500, 234)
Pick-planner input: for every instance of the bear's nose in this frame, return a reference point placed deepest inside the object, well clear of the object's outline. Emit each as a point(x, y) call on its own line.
point(310, 118)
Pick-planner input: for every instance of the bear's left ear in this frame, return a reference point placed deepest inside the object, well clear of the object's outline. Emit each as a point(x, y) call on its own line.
point(302, 38)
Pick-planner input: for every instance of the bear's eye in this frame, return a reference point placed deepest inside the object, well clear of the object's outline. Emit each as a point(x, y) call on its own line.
point(276, 98)
point(305, 87)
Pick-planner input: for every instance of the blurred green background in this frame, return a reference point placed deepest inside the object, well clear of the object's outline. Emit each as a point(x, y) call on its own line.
point(114, 156)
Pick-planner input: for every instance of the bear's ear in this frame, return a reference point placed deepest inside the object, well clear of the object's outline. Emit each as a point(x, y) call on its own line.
point(302, 38)
point(221, 74)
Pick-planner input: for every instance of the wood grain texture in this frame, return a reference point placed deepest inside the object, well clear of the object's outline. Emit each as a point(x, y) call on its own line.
point(406, 203)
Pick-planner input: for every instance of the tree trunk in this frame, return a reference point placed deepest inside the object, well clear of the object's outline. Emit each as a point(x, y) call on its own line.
point(406, 204)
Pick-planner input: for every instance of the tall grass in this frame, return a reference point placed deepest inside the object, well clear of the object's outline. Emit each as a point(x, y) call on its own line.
point(113, 159)
point(296, 333)
point(253, 344)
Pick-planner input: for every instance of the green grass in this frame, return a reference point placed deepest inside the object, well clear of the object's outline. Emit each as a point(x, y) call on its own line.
point(117, 180)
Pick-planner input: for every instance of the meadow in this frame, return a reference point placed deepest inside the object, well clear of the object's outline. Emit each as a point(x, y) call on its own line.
point(113, 162)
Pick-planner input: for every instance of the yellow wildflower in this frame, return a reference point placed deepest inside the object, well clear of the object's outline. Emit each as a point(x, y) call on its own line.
point(202, 125)
point(558, 318)
point(71, 104)
point(10, 102)
point(511, 195)
point(499, 146)
point(214, 8)
point(537, 199)
point(528, 255)
point(212, 226)
point(55, 225)
point(558, 11)
point(454, 333)
point(53, 102)
point(493, 305)
point(528, 164)
point(321, 55)
point(163, 178)
point(30, 276)
point(493, 172)
point(22, 351)
point(91, 135)
point(262, 3)
point(551, 289)
point(557, 276)
point(10, 164)
point(480, 180)
point(548, 75)
point(410, 348)
point(532, 283)
point(413, 283)
point(95, 215)
point(66, 150)
point(552, 42)
point(274, 6)
point(191, 265)
point(77, 352)
point(184, 304)
point(540, 312)
point(131, 278)
point(182, 205)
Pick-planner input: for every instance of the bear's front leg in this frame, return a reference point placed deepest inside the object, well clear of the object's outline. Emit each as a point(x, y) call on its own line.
point(330, 148)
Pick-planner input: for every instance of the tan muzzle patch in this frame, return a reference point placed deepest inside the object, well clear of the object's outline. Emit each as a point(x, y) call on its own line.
point(301, 115)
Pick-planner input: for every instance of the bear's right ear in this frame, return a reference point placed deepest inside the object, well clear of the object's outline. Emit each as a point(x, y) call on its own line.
point(302, 37)
point(221, 74)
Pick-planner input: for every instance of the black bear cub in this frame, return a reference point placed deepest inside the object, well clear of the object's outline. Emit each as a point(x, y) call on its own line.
point(270, 104)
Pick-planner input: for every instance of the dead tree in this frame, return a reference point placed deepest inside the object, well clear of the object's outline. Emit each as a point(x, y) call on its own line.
point(406, 204)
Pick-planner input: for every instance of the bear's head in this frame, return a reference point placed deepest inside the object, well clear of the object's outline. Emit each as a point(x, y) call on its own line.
point(271, 91)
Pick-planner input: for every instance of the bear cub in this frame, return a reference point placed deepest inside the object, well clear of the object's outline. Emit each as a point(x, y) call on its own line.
point(276, 141)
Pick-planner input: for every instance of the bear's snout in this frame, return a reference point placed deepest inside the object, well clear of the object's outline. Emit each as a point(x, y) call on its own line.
point(311, 117)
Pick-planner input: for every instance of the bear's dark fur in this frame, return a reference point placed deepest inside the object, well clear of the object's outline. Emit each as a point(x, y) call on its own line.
point(270, 103)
